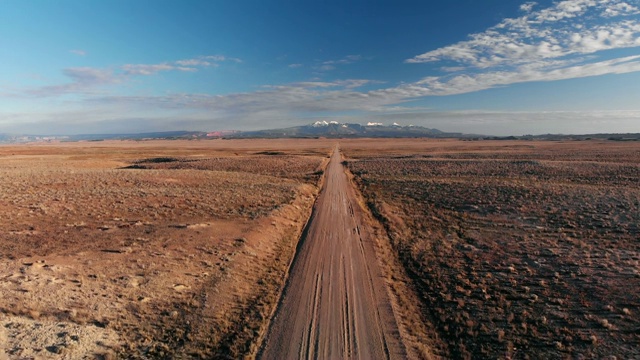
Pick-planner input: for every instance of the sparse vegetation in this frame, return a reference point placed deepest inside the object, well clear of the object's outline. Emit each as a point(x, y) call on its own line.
point(272, 163)
point(520, 250)
point(515, 252)
point(182, 257)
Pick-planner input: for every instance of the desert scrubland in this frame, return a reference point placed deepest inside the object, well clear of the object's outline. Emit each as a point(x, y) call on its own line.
point(180, 249)
point(151, 249)
point(515, 249)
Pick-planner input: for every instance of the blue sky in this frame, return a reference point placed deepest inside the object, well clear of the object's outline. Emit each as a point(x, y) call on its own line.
point(491, 67)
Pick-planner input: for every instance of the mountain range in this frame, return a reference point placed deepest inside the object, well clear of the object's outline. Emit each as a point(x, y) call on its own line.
point(347, 130)
point(318, 129)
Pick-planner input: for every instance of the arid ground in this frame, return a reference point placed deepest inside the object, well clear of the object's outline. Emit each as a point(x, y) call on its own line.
point(516, 249)
point(148, 249)
point(182, 249)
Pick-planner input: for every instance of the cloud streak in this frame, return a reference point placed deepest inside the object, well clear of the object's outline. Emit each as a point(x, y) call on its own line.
point(296, 99)
point(316, 97)
point(184, 65)
point(438, 86)
point(329, 65)
point(85, 80)
point(78, 52)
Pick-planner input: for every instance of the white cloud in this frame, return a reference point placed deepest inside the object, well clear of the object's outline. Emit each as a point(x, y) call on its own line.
point(561, 42)
point(621, 8)
point(292, 99)
point(294, 66)
point(528, 6)
point(469, 83)
point(565, 9)
point(550, 33)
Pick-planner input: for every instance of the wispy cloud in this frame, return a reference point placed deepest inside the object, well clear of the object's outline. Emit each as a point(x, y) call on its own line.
point(329, 65)
point(185, 65)
point(349, 59)
point(150, 69)
point(295, 66)
point(78, 52)
point(84, 80)
point(318, 97)
point(291, 99)
point(465, 83)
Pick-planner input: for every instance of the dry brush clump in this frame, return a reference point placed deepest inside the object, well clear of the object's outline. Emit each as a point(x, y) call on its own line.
point(519, 258)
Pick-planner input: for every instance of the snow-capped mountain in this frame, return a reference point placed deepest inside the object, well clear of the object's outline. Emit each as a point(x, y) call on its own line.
point(323, 128)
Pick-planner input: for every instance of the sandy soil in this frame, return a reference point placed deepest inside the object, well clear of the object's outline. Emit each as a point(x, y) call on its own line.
point(335, 304)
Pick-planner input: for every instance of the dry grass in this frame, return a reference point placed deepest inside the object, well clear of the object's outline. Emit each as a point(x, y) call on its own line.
point(175, 262)
point(301, 168)
point(516, 249)
point(522, 252)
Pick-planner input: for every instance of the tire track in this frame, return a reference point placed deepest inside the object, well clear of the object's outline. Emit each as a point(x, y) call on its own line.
point(335, 304)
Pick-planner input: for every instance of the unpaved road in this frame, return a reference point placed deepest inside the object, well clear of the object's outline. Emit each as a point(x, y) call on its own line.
point(335, 304)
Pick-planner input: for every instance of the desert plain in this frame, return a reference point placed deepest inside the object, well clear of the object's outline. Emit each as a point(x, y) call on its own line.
point(182, 249)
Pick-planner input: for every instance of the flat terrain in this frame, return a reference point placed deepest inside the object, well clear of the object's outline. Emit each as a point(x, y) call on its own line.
point(335, 304)
point(172, 249)
point(422, 249)
point(517, 249)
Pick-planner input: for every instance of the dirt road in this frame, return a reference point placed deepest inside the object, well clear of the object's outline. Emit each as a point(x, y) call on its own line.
point(335, 304)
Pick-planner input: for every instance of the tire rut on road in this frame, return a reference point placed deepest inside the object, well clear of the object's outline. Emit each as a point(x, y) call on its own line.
point(335, 303)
